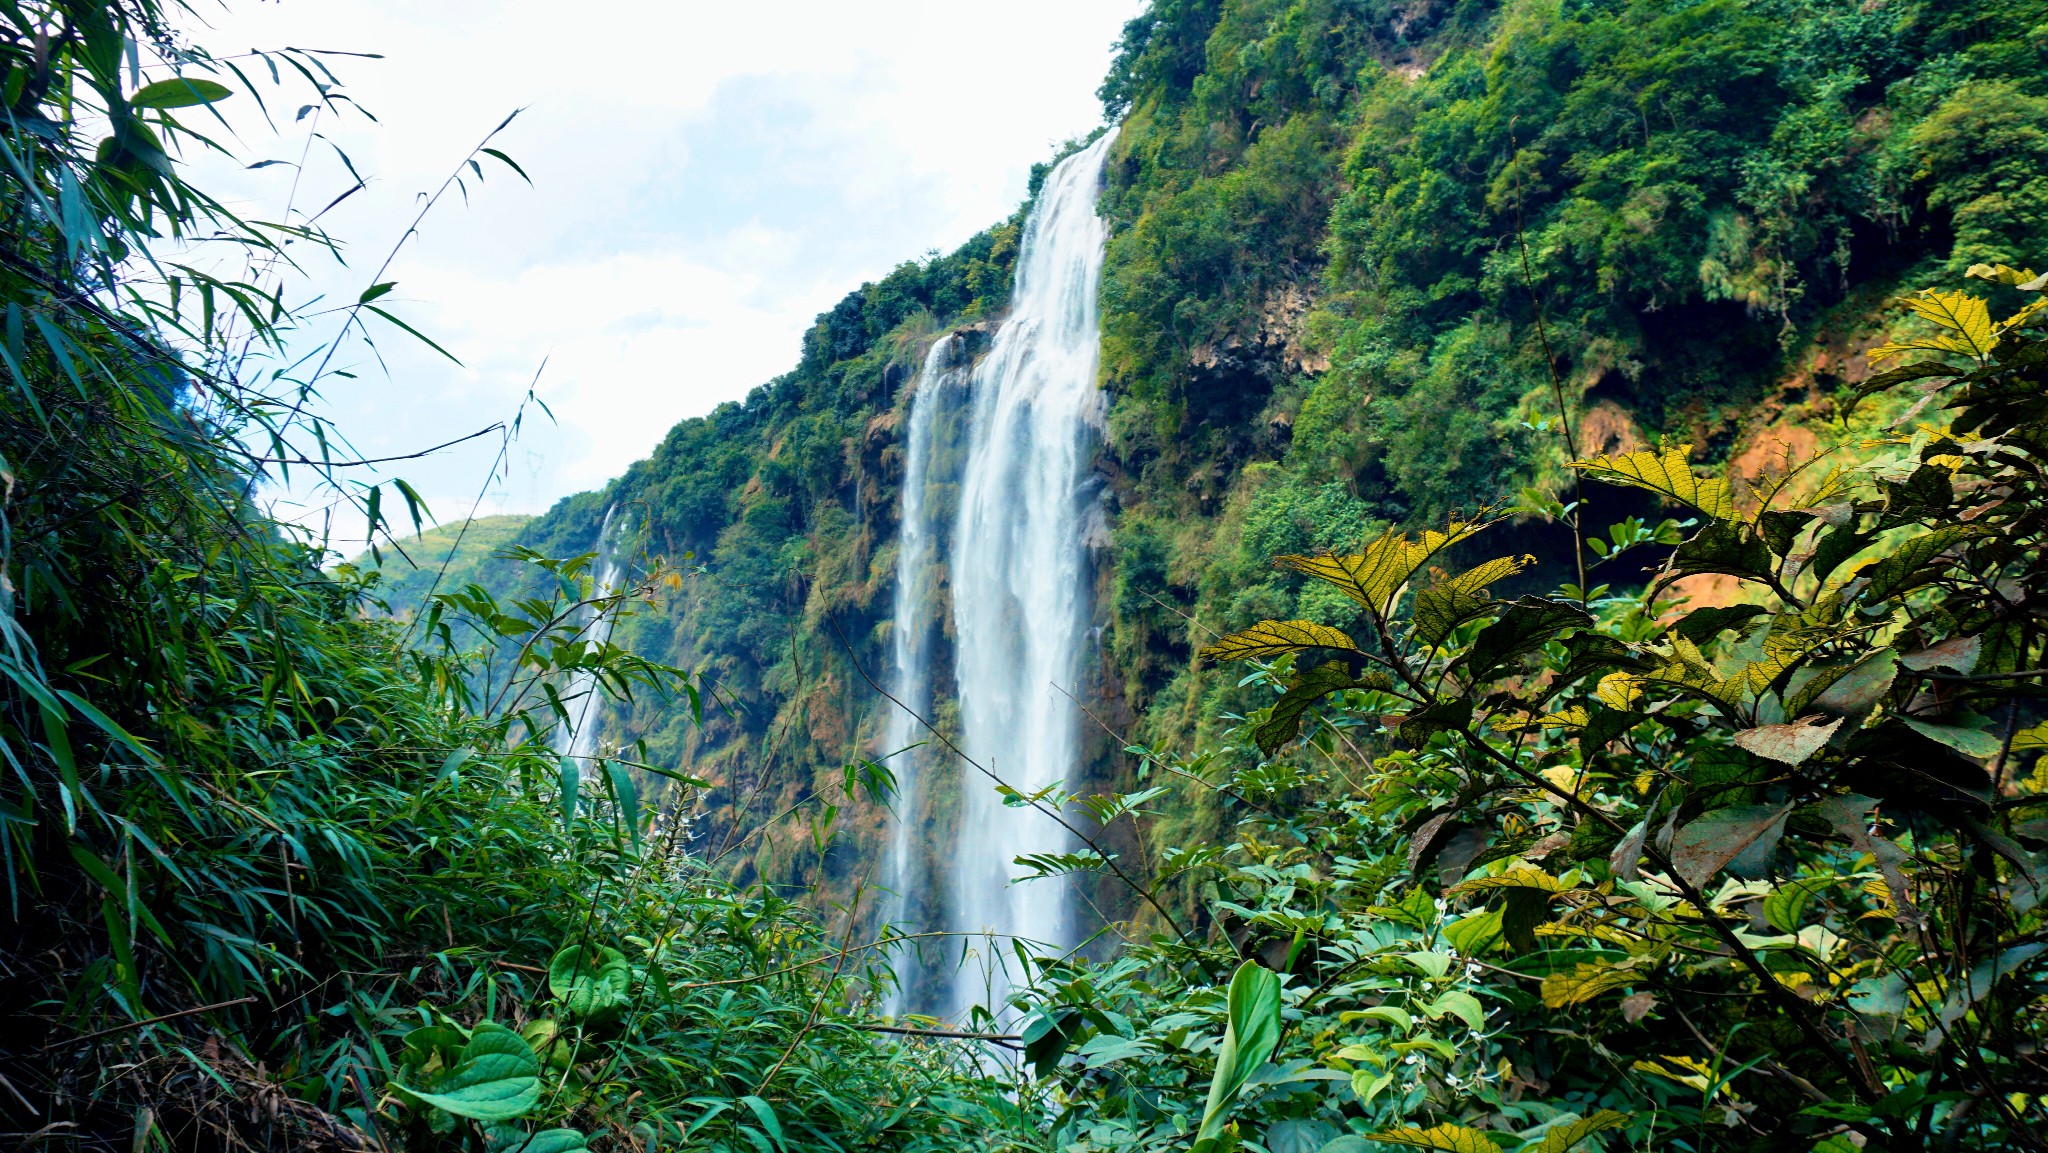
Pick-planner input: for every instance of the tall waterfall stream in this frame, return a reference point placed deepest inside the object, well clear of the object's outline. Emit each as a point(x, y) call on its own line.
point(1019, 574)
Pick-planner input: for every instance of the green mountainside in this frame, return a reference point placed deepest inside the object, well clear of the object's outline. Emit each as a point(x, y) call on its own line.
point(1344, 234)
point(1432, 814)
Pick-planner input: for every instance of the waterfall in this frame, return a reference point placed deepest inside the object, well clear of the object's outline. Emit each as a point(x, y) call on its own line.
point(914, 637)
point(578, 739)
point(1021, 575)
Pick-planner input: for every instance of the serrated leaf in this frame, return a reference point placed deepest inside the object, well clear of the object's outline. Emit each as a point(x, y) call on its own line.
point(1441, 608)
point(1911, 564)
point(1621, 692)
point(1972, 740)
point(497, 1078)
point(1665, 473)
point(590, 980)
point(1702, 625)
point(1272, 638)
point(1439, 717)
point(1723, 547)
point(1523, 877)
point(1848, 815)
point(1447, 1137)
point(1790, 744)
point(1957, 653)
point(1705, 846)
point(1561, 1138)
point(1284, 723)
point(1524, 627)
point(1373, 577)
point(1585, 982)
point(179, 92)
point(1960, 313)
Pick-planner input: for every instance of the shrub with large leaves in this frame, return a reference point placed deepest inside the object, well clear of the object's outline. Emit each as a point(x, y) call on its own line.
point(1748, 875)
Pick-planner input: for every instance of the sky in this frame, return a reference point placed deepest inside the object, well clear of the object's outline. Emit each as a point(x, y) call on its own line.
point(706, 178)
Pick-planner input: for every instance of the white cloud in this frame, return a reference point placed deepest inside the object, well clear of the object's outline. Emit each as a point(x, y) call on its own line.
point(708, 177)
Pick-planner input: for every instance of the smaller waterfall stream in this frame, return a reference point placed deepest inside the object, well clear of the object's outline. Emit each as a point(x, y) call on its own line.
point(578, 739)
point(915, 639)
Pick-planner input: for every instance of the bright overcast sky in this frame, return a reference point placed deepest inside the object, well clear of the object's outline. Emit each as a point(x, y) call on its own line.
point(707, 178)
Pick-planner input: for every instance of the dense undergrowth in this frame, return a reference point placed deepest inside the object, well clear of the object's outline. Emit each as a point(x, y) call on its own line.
point(281, 874)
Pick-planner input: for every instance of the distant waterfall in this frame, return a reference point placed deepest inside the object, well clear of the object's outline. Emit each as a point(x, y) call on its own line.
point(929, 473)
point(582, 696)
point(1020, 572)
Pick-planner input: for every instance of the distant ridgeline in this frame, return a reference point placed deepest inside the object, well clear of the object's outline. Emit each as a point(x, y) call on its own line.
point(1342, 234)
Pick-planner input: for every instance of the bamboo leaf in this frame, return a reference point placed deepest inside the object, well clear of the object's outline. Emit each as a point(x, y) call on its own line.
point(180, 92)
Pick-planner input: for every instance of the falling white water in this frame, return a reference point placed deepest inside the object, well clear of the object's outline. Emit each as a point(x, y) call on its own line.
point(914, 638)
point(578, 739)
point(1020, 573)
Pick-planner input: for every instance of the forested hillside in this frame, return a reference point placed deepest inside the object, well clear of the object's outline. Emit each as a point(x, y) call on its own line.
point(1351, 242)
point(1570, 674)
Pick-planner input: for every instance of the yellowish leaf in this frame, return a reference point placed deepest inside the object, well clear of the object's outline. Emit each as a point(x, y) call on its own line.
point(1621, 692)
point(1447, 1137)
point(1688, 1071)
point(1664, 472)
point(1272, 638)
point(1522, 877)
point(1561, 1138)
point(1960, 313)
point(1375, 576)
point(1584, 983)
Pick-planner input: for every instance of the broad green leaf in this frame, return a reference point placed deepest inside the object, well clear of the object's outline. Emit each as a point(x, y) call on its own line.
point(1284, 724)
point(1374, 576)
point(1957, 653)
point(1272, 638)
point(1520, 877)
point(1441, 717)
point(1973, 739)
point(1585, 982)
point(1666, 473)
point(179, 92)
point(509, 1140)
point(1705, 846)
point(1911, 565)
point(1702, 625)
point(1725, 547)
point(1249, 1035)
point(1524, 627)
point(496, 1078)
point(1449, 603)
point(590, 980)
point(1792, 744)
point(1785, 907)
point(1561, 1138)
point(1460, 1004)
point(1447, 1137)
point(1473, 935)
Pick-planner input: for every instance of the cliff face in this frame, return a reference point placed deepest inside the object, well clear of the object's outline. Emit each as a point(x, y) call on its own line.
point(1350, 241)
